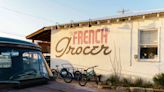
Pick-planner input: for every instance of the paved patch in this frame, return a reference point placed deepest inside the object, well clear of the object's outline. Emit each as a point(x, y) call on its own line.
point(60, 86)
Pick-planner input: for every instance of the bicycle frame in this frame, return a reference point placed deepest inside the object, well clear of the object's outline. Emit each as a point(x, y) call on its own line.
point(90, 74)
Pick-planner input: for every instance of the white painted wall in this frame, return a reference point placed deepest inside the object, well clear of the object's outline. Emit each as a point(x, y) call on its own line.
point(123, 41)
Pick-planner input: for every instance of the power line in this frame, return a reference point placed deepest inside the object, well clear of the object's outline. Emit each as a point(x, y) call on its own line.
point(26, 14)
point(11, 33)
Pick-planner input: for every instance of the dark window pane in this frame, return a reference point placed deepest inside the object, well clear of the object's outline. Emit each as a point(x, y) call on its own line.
point(148, 52)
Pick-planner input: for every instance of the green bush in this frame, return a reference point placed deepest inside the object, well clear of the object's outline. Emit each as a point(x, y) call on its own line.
point(148, 84)
point(138, 82)
point(113, 80)
point(159, 80)
point(126, 82)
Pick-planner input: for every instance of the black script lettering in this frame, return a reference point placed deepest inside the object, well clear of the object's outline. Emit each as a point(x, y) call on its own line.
point(79, 50)
point(105, 50)
point(94, 48)
point(72, 50)
point(66, 49)
point(62, 50)
point(84, 51)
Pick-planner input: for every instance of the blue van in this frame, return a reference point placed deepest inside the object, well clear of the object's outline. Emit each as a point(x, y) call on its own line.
point(21, 63)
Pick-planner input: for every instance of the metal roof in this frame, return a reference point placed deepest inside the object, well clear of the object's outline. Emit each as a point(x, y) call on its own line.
point(125, 15)
point(134, 13)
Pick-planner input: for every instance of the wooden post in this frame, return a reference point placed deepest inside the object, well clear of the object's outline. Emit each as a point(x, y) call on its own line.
point(33, 40)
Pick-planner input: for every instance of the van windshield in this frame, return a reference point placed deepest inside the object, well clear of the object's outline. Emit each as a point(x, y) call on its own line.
point(21, 64)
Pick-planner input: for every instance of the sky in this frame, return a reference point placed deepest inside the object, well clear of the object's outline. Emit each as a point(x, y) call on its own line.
point(19, 18)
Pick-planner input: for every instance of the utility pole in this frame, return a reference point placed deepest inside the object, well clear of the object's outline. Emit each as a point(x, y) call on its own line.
point(123, 11)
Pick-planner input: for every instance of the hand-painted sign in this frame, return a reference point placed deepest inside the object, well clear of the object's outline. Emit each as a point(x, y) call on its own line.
point(94, 42)
point(99, 36)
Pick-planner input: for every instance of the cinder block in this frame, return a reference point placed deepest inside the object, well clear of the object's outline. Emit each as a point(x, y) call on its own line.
point(137, 89)
point(122, 89)
point(149, 90)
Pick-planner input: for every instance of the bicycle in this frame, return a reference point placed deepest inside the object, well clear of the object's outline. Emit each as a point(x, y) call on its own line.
point(74, 73)
point(88, 75)
point(63, 73)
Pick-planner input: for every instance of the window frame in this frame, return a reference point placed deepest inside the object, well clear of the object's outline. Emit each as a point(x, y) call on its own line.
point(158, 45)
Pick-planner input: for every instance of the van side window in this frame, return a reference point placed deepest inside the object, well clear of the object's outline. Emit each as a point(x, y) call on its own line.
point(30, 60)
point(5, 60)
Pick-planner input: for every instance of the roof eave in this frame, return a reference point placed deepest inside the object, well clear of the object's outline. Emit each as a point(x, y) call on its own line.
point(30, 36)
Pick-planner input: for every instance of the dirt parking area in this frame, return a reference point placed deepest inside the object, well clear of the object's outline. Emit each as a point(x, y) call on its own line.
point(60, 86)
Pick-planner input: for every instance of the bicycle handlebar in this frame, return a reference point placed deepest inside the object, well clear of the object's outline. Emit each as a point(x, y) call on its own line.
point(92, 67)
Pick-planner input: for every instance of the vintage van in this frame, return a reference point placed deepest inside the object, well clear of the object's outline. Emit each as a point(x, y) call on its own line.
point(21, 63)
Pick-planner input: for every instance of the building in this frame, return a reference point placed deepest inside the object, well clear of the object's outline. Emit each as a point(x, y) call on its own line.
point(128, 44)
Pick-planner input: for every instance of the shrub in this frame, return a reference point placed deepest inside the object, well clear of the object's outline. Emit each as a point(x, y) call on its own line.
point(126, 82)
point(159, 80)
point(113, 80)
point(148, 84)
point(138, 82)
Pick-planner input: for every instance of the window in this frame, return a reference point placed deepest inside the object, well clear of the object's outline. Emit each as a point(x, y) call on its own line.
point(148, 44)
point(5, 60)
point(30, 60)
point(21, 64)
point(33, 62)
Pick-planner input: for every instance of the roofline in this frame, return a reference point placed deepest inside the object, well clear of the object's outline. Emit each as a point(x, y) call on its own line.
point(106, 20)
point(37, 32)
point(116, 17)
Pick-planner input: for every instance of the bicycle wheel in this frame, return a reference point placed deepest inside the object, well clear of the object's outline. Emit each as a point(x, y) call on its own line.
point(68, 77)
point(83, 80)
point(96, 80)
point(63, 72)
point(55, 73)
point(77, 75)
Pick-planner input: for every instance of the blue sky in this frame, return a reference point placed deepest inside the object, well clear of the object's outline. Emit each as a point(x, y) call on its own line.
point(22, 17)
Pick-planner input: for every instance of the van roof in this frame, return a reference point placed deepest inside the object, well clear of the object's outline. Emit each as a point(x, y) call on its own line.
point(4, 40)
